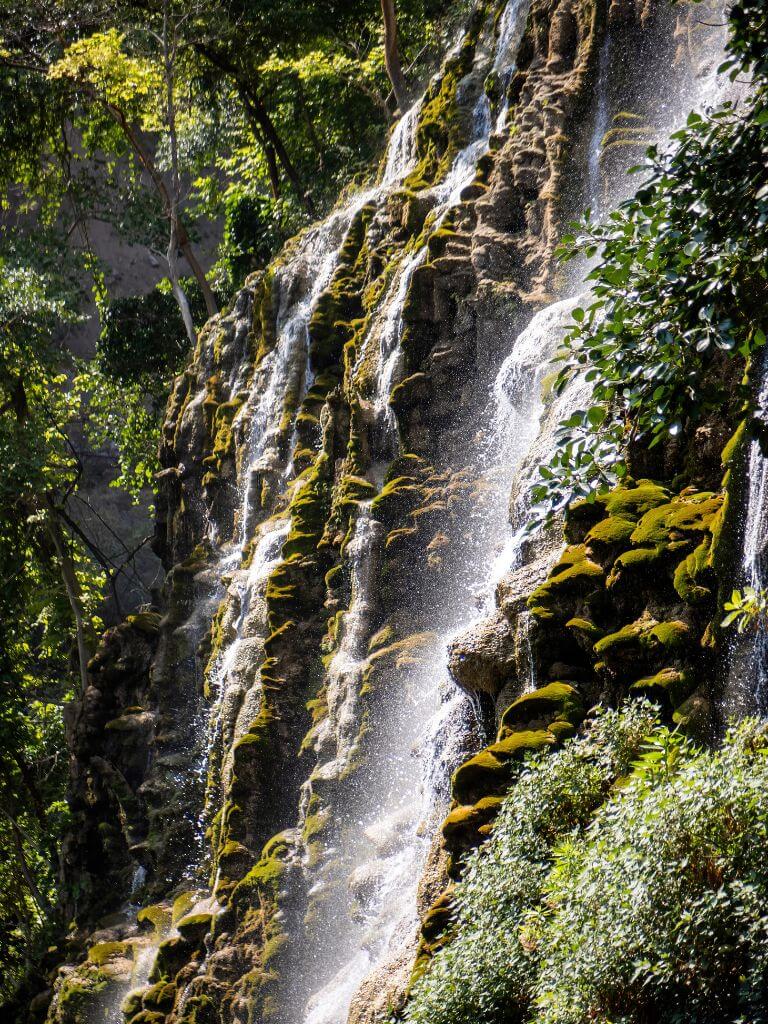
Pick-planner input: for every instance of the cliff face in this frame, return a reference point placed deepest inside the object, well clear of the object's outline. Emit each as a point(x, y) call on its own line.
point(265, 769)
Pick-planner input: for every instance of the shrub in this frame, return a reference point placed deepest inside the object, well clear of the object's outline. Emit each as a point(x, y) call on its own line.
point(487, 973)
point(602, 903)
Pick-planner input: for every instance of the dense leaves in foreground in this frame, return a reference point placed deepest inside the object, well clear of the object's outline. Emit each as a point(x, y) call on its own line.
point(625, 880)
point(680, 286)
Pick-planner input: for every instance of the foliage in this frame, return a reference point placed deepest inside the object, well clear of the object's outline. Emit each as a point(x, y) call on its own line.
point(746, 609)
point(678, 291)
point(36, 628)
point(129, 82)
point(142, 337)
point(648, 907)
point(488, 970)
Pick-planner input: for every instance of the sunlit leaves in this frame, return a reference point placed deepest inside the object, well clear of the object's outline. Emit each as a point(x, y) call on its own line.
point(100, 60)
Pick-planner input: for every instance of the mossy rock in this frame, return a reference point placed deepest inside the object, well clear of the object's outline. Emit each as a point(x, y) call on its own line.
point(157, 916)
point(439, 916)
point(694, 573)
point(194, 927)
point(159, 997)
point(353, 490)
point(554, 701)
point(266, 876)
point(635, 560)
point(585, 630)
point(695, 716)
point(183, 904)
point(632, 502)
point(581, 516)
point(489, 773)
point(103, 953)
point(148, 1017)
point(669, 687)
point(680, 519)
point(385, 662)
point(132, 1004)
point(575, 573)
point(145, 622)
point(172, 955)
point(461, 826)
point(611, 532)
point(396, 498)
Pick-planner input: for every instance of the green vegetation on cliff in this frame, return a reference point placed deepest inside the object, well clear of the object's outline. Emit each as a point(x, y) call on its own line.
point(624, 880)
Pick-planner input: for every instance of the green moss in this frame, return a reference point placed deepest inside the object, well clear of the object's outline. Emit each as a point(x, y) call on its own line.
point(611, 531)
point(182, 905)
point(686, 515)
point(397, 497)
point(584, 628)
point(381, 638)
point(145, 622)
point(551, 702)
point(159, 997)
point(643, 635)
point(490, 772)
point(194, 927)
point(463, 822)
point(669, 634)
point(103, 952)
point(625, 640)
point(158, 916)
point(670, 686)
point(171, 956)
point(395, 657)
point(574, 573)
point(693, 573)
point(639, 558)
point(734, 445)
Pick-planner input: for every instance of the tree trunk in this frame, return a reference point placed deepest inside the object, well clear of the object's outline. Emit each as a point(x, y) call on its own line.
point(392, 55)
point(258, 113)
point(265, 123)
point(177, 237)
point(42, 903)
point(147, 162)
point(178, 292)
point(72, 588)
point(309, 123)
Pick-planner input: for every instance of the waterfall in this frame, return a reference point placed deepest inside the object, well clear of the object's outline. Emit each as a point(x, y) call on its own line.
point(447, 195)
point(511, 27)
point(362, 888)
point(746, 688)
point(755, 560)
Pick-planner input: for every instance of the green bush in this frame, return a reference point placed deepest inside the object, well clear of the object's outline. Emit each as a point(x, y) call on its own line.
point(652, 906)
point(487, 973)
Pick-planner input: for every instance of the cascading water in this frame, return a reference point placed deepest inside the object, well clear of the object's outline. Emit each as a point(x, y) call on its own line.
point(747, 687)
point(386, 830)
point(511, 29)
point(390, 796)
point(447, 195)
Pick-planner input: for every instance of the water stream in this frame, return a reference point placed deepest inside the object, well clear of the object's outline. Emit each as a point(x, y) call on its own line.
point(363, 890)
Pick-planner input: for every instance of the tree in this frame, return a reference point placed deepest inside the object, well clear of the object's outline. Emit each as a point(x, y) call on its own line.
point(138, 96)
point(392, 54)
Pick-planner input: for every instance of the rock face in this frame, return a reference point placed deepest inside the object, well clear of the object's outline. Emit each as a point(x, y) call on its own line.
point(273, 753)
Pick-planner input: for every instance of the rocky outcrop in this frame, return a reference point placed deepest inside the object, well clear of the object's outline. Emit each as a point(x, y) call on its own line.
point(110, 731)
